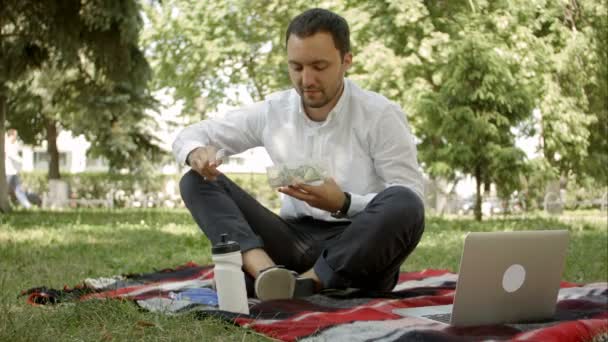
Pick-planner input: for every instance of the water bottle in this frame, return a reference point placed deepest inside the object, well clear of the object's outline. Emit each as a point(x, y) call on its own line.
point(229, 276)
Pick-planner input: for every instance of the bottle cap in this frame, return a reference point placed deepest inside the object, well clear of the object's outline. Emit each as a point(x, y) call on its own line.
point(225, 246)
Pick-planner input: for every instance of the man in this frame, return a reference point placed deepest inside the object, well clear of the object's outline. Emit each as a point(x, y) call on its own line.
point(359, 225)
point(13, 163)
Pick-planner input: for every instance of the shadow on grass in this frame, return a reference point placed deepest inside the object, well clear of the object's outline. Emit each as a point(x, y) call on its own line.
point(75, 255)
point(63, 251)
point(67, 257)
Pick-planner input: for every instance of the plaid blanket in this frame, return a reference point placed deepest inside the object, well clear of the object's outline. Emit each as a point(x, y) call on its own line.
point(350, 315)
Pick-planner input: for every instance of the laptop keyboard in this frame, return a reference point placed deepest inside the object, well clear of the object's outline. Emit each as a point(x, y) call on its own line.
point(444, 318)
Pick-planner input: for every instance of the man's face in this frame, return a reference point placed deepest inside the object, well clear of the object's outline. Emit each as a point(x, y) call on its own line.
point(316, 68)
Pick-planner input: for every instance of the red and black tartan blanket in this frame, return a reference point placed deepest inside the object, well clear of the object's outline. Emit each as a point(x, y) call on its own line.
point(581, 315)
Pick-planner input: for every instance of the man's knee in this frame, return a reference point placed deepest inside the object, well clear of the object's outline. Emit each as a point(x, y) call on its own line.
point(402, 205)
point(188, 184)
point(193, 184)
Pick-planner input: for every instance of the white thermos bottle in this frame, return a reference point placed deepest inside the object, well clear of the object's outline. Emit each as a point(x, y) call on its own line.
point(229, 276)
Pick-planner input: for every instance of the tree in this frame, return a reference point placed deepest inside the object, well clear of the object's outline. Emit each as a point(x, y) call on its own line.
point(200, 50)
point(98, 39)
point(597, 90)
point(120, 130)
point(573, 120)
point(572, 107)
point(400, 46)
point(468, 123)
point(462, 70)
point(112, 116)
point(416, 53)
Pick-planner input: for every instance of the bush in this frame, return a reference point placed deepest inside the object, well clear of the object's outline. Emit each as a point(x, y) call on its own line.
point(257, 186)
point(585, 193)
point(129, 190)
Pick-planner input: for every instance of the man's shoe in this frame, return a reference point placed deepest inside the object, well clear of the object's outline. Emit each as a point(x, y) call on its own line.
point(304, 287)
point(277, 282)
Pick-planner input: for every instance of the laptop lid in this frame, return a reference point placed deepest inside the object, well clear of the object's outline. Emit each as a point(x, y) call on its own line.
point(509, 277)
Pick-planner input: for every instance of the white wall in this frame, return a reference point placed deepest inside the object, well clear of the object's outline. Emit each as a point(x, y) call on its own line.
point(72, 152)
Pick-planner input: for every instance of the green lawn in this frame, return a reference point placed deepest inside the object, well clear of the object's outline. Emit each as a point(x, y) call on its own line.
point(62, 248)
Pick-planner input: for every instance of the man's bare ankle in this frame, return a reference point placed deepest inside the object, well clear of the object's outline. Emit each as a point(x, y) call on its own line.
point(311, 274)
point(255, 260)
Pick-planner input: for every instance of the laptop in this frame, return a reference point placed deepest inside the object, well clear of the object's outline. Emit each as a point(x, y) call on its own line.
point(504, 277)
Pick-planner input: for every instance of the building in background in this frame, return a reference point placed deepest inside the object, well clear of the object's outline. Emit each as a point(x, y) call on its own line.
point(72, 156)
point(169, 119)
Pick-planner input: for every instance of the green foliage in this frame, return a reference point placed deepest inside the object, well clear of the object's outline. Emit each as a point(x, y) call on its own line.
point(585, 192)
point(257, 186)
point(468, 123)
point(148, 189)
point(66, 34)
point(565, 122)
point(117, 124)
point(582, 192)
point(597, 93)
point(469, 73)
point(199, 49)
point(25, 108)
point(123, 189)
point(535, 181)
point(88, 75)
point(574, 108)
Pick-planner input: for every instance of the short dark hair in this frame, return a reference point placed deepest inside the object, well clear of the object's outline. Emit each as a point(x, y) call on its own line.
point(316, 20)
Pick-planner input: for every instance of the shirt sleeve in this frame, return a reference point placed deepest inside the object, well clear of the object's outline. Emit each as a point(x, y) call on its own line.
point(237, 131)
point(393, 150)
point(359, 202)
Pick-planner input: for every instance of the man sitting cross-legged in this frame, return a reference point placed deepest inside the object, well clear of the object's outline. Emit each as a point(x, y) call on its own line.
point(358, 226)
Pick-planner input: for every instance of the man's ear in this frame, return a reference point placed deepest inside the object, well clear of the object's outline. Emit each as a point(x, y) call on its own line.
point(347, 60)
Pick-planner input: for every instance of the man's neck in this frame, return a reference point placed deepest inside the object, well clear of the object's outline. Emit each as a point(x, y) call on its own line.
point(321, 114)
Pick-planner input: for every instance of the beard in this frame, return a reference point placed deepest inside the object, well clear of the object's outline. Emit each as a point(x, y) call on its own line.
point(315, 100)
point(319, 98)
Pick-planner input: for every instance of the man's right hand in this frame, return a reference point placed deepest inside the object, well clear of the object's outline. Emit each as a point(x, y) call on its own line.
point(202, 160)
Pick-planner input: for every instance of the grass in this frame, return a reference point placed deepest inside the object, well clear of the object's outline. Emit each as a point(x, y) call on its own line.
point(63, 248)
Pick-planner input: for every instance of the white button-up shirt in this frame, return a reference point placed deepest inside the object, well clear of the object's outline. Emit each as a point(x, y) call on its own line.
point(13, 162)
point(365, 143)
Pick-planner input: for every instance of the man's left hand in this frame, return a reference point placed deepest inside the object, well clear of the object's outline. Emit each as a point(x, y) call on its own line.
point(327, 196)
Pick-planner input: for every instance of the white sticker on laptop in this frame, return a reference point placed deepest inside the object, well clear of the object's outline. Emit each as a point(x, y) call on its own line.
point(513, 278)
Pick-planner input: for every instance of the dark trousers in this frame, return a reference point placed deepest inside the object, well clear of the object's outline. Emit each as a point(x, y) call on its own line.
point(363, 253)
point(15, 189)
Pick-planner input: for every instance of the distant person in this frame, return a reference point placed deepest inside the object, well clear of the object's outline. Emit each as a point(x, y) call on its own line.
point(13, 165)
point(356, 228)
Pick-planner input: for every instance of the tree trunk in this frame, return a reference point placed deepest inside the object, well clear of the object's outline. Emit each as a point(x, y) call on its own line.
point(487, 187)
point(478, 183)
point(51, 136)
point(4, 202)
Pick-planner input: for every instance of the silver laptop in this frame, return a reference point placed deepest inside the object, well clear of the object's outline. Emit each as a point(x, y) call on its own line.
point(504, 277)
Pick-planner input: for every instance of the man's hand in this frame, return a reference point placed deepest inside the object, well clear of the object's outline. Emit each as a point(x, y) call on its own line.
point(327, 196)
point(202, 160)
